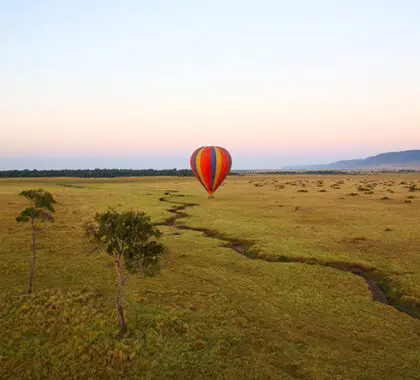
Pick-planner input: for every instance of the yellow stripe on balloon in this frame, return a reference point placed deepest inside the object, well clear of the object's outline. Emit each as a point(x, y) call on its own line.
point(218, 166)
point(198, 166)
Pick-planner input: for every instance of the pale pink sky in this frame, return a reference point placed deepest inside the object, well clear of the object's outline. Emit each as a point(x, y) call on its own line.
point(296, 83)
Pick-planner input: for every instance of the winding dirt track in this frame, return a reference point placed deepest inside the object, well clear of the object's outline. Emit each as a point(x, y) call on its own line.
point(375, 279)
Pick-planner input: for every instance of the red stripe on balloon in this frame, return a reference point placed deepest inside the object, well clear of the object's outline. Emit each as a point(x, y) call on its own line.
point(205, 165)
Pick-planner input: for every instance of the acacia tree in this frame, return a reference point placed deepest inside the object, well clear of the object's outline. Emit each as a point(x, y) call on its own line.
point(129, 238)
point(41, 209)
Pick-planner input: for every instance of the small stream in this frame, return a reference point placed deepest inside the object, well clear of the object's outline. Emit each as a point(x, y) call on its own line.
point(376, 280)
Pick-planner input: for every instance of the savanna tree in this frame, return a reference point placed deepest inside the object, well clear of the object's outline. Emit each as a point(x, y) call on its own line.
point(41, 209)
point(131, 239)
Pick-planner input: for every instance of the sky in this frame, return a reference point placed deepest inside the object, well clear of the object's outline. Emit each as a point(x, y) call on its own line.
point(142, 84)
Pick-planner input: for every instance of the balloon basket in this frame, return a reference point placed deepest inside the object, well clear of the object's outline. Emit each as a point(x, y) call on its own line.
point(211, 196)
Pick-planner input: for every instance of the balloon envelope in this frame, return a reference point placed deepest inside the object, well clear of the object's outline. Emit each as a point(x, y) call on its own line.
point(211, 165)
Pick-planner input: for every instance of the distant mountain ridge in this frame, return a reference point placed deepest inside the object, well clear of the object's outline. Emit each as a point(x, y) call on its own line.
point(407, 159)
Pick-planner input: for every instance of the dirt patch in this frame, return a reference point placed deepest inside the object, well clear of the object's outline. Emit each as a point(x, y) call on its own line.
point(237, 247)
point(376, 291)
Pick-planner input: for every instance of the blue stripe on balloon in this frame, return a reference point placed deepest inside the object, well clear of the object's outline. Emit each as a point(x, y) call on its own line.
point(213, 166)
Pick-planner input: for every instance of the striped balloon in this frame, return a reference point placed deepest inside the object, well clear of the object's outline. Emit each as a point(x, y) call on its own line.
point(211, 165)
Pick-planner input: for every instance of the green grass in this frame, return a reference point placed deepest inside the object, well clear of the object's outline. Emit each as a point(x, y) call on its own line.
point(211, 312)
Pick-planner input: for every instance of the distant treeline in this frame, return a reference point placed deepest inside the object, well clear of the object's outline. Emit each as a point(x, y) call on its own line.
point(113, 173)
point(96, 173)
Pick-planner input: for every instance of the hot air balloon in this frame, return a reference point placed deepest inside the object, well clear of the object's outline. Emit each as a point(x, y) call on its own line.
point(211, 165)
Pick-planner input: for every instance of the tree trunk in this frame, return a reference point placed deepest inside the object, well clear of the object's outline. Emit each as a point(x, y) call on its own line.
point(32, 269)
point(121, 320)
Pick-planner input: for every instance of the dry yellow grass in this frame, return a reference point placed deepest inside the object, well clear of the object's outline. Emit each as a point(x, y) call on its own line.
point(211, 312)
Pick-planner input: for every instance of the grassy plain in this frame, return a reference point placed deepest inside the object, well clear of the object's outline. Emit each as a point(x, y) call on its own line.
point(211, 312)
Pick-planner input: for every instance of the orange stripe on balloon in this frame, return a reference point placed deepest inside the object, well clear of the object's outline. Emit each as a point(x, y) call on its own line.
point(225, 166)
point(193, 162)
point(198, 166)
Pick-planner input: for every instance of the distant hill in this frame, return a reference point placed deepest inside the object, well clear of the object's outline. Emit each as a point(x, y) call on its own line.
point(408, 159)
